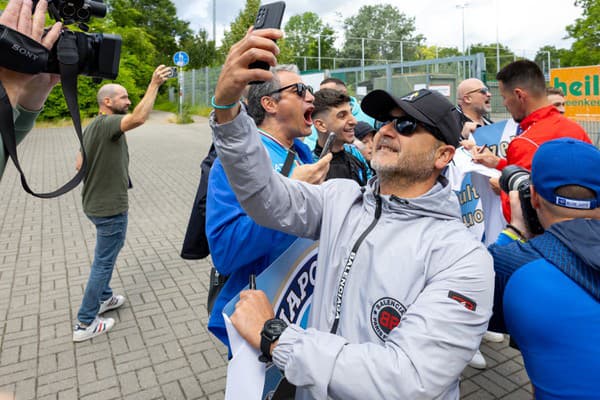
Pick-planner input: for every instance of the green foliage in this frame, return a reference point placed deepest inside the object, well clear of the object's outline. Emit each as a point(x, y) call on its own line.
point(383, 26)
point(432, 52)
point(557, 56)
point(586, 32)
point(157, 18)
point(239, 27)
point(305, 35)
point(202, 51)
point(489, 50)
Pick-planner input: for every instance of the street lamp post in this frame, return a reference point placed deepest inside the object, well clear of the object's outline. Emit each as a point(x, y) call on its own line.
point(463, 6)
point(214, 15)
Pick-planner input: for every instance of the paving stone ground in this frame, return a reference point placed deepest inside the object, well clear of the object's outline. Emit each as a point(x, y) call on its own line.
point(160, 347)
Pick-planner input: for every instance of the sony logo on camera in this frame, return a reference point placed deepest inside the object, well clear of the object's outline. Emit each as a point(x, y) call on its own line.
point(24, 52)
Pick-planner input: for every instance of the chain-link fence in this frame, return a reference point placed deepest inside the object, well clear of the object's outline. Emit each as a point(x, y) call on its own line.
point(443, 74)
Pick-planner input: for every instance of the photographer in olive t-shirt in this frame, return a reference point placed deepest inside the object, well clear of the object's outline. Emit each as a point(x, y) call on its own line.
point(105, 195)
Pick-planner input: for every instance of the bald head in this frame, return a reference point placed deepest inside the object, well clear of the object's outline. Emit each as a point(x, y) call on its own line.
point(474, 99)
point(113, 99)
point(109, 90)
point(468, 85)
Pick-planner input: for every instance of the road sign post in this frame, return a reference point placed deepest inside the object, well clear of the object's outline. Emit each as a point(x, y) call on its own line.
point(181, 59)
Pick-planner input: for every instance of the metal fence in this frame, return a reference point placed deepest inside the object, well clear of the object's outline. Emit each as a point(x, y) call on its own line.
point(399, 78)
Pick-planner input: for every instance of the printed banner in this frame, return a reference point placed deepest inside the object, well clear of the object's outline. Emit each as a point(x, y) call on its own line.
point(289, 284)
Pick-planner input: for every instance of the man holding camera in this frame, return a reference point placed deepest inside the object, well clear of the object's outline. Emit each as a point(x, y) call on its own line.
point(523, 90)
point(104, 195)
point(548, 288)
point(381, 326)
point(26, 93)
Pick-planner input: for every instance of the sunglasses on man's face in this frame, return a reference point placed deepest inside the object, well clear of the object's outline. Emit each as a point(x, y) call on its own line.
point(300, 89)
point(484, 90)
point(404, 126)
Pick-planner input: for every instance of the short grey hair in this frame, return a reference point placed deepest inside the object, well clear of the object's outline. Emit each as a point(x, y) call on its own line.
point(258, 91)
point(105, 91)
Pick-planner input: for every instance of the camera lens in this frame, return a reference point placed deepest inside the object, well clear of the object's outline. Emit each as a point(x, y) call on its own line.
point(514, 178)
point(83, 14)
point(68, 11)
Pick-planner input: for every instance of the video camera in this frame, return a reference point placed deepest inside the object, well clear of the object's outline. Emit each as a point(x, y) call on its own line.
point(516, 178)
point(95, 54)
point(75, 53)
point(99, 54)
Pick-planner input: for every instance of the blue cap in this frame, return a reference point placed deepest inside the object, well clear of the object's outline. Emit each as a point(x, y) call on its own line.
point(564, 162)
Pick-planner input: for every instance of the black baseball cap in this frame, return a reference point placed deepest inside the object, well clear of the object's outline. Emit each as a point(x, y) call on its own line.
point(426, 106)
point(362, 129)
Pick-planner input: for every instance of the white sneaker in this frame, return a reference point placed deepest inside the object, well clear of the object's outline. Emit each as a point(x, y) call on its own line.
point(97, 327)
point(115, 301)
point(495, 337)
point(478, 361)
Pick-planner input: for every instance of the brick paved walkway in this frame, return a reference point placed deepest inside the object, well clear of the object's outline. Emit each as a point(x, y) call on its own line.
point(159, 347)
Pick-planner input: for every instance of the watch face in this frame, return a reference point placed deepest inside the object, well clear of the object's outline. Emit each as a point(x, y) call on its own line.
point(274, 328)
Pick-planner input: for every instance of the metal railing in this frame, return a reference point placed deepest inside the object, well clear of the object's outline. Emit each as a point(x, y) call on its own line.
point(198, 85)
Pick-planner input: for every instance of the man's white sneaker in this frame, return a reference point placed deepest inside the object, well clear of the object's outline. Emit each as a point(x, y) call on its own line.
point(115, 301)
point(97, 327)
point(493, 337)
point(478, 361)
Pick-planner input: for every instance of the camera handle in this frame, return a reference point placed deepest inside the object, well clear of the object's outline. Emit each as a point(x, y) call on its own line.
point(68, 59)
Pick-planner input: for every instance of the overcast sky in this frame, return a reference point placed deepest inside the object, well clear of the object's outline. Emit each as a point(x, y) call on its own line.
point(522, 25)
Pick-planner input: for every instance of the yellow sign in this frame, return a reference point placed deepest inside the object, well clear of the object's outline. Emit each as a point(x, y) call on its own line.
point(581, 86)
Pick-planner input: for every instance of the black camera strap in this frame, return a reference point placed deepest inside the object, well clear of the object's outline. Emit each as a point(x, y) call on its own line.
point(21, 53)
point(68, 64)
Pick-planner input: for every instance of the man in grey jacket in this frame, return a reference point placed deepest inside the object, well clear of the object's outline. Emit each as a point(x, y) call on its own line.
point(403, 292)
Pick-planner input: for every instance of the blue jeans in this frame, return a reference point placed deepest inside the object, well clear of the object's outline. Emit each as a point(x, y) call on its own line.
point(110, 237)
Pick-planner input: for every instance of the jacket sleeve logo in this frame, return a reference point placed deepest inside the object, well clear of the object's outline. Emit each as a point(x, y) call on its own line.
point(386, 314)
point(464, 300)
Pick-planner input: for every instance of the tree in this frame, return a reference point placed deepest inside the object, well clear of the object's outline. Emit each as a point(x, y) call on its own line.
point(586, 32)
point(433, 52)
point(239, 27)
point(305, 35)
point(383, 29)
point(158, 18)
point(557, 57)
point(202, 51)
point(490, 53)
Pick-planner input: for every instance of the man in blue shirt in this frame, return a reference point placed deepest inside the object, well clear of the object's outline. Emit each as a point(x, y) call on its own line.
point(281, 109)
point(548, 288)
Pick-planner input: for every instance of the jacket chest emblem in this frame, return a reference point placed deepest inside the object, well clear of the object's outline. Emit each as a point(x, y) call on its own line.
point(386, 314)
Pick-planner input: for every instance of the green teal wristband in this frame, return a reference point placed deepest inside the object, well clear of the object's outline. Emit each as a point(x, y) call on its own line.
point(218, 107)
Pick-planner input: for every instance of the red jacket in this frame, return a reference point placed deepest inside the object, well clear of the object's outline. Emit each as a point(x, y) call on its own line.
point(540, 126)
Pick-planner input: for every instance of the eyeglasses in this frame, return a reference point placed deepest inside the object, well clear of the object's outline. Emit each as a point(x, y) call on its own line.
point(300, 89)
point(406, 126)
point(483, 90)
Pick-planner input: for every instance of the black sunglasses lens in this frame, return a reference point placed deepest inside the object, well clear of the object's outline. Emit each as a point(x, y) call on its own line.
point(301, 89)
point(405, 126)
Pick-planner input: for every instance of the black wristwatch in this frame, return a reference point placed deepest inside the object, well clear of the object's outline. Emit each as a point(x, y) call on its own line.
point(271, 331)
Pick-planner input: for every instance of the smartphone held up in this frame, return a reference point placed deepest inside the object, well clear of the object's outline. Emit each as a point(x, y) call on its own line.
point(327, 146)
point(268, 16)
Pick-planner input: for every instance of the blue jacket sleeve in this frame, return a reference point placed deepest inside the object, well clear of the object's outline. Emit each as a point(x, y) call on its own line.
point(226, 223)
point(509, 255)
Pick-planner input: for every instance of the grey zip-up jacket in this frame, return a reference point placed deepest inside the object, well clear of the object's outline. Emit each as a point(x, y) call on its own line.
point(417, 299)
